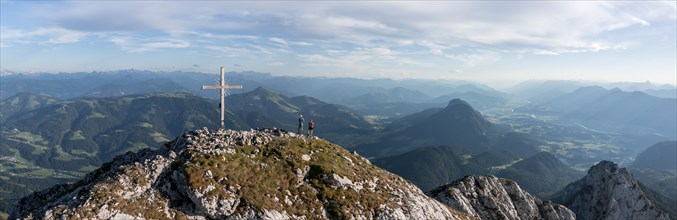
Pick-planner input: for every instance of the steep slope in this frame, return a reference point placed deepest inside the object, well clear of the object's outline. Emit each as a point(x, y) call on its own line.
point(659, 156)
point(609, 192)
point(429, 167)
point(540, 174)
point(458, 125)
point(656, 168)
point(488, 197)
point(240, 175)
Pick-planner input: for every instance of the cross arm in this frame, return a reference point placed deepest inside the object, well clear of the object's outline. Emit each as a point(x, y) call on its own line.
point(222, 87)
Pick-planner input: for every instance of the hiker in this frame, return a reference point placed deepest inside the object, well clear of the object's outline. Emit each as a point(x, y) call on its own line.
point(311, 125)
point(300, 125)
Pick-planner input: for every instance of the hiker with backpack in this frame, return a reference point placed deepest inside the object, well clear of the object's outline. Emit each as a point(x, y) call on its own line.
point(311, 125)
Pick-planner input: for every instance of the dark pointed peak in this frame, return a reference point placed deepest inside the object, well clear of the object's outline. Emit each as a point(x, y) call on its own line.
point(606, 167)
point(457, 102)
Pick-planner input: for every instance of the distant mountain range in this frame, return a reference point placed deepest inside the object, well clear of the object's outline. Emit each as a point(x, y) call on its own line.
point(383, 97)
point(613, 111)
point(544, 90)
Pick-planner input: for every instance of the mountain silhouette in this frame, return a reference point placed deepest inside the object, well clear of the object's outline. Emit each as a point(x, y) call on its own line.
point(457, 125)
point(662, 155)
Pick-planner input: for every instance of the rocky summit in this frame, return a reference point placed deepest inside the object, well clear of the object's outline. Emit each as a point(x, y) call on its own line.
point(226, 174)
point(609, 192)
point(489, 197)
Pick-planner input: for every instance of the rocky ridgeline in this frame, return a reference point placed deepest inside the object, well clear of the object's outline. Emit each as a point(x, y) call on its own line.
point(488, 197)
point(225, 174)
point(609, 192)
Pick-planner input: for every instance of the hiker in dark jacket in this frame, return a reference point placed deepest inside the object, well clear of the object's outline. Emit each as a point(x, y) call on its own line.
point(311, 125)
point(300, 125)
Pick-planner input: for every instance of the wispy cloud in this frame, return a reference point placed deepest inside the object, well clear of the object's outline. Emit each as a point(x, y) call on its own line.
point(555, 26)
point(49, 36)
point(137, 45)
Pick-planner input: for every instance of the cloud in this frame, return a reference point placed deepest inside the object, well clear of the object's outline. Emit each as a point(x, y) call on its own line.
point(474, 59)
point(507, 26)
point(140, 45)
point(279, 41)
point(44, 36)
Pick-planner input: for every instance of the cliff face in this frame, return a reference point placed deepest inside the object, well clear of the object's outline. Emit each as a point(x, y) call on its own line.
point(488, 197)
point(609, 192)
point(237, 175)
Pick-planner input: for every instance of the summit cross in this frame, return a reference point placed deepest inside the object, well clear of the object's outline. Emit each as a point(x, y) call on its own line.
point(222, 87)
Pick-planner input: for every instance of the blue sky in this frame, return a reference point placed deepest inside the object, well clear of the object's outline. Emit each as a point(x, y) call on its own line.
point(496, 43)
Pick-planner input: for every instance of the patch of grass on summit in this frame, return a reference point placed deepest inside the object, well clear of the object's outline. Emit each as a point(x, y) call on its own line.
point(268, 173)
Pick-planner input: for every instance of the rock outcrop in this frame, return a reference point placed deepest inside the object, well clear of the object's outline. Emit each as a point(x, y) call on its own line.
point(489, 197)
point(225, 174)
point(608, 192)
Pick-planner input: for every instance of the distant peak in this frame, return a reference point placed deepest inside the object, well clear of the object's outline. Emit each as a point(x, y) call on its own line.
point(262, 90)
point(457, 102)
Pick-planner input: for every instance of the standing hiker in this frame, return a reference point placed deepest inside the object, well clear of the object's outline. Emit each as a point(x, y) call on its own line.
point(300, 125)
point(311, 125)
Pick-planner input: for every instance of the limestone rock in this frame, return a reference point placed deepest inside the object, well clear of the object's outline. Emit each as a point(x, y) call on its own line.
point(488, 197)
point(609, 192)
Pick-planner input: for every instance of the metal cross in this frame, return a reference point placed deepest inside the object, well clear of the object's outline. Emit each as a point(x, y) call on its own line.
point(222, 87)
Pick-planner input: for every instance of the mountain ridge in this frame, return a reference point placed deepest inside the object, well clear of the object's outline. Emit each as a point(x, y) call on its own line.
point(608, 192)
point(228, 174)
